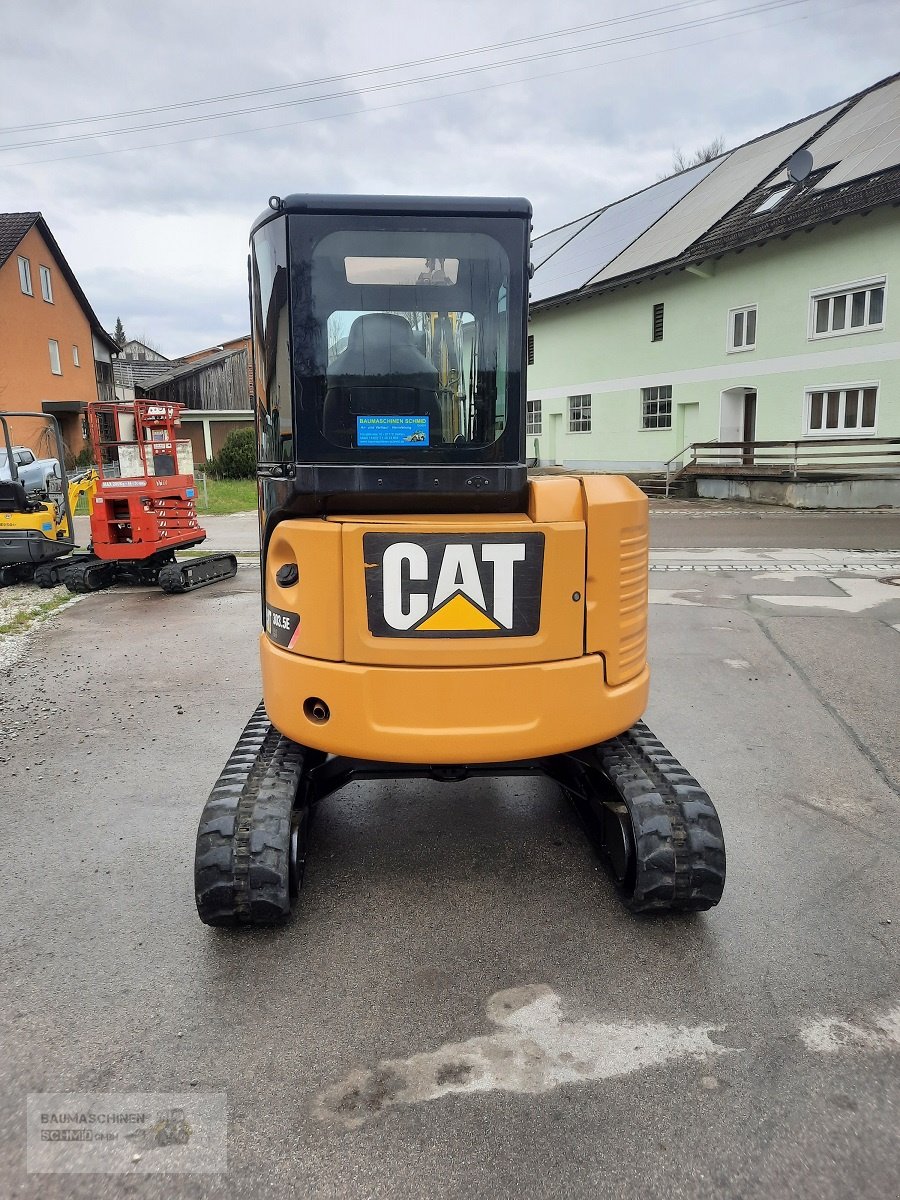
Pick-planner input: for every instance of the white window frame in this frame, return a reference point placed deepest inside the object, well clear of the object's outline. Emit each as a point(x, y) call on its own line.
point(773, 199)
point(75, 356)
point(55, 361)
point(46, 284)
point(729, 331)
point(579, 413)
point(842, 389)
point(25, 276)
point(846, 289)
point(657, 399)
point(533, 418)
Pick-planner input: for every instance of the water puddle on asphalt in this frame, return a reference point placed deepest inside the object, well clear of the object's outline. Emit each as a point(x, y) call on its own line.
point(831, 1035)
point(533, 1050)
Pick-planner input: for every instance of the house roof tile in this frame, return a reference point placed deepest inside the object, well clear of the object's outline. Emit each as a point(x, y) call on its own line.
point(13, 228)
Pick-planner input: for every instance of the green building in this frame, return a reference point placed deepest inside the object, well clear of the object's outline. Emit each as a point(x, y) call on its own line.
point(746, 299)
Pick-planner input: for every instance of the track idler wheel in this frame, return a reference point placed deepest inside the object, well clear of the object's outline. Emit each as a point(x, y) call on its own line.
point(49, 574)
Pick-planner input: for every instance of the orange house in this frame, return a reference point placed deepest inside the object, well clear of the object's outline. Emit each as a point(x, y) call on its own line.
point(55, 356)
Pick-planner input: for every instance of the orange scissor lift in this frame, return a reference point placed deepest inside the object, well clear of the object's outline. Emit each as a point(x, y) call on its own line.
point(145, 504)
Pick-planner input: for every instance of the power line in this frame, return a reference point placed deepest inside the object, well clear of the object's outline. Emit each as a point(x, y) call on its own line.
point(399, 103)
point(417, 62)
point(702, 22)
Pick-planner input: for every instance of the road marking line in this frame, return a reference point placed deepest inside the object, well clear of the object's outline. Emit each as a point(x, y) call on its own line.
point(666, 596)
point(861, 594)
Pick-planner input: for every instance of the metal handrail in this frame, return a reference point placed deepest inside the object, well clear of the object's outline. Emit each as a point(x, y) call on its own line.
point(677, 457)
point(840, 452)
point(789, 452)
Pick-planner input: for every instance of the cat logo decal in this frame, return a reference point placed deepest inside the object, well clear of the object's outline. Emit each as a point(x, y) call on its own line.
point(454, 585)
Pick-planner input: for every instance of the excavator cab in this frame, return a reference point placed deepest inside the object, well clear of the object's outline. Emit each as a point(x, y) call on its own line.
point(428, 610)
point(388, 349)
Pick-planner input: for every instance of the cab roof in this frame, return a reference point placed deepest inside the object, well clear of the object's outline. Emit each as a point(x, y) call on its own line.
point(468, 206)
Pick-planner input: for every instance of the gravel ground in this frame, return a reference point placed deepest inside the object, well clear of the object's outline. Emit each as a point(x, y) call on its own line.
point(19, 599)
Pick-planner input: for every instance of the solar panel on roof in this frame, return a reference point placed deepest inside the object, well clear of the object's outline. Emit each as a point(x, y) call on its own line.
point(735, 176)
point(600, 241)
point(549, 243)
point(864, 141)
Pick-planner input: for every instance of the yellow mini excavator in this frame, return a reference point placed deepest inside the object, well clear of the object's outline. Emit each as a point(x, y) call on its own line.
point(429, 611)
point(36, 526)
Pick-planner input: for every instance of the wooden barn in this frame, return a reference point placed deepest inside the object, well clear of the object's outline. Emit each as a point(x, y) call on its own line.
point(216, 397)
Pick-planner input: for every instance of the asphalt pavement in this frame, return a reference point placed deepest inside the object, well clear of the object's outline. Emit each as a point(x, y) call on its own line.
point(751, 1052)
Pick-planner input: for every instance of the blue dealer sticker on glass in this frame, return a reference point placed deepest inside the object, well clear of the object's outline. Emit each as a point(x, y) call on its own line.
point(392, 431)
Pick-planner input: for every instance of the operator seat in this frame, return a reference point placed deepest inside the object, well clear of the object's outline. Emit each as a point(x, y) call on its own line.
point(14, 498)
point(381, 373)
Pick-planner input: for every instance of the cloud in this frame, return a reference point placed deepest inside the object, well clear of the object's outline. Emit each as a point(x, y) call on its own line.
point(159, 233)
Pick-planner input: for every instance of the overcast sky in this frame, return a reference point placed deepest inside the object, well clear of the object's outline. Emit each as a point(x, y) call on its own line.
point(156, 232)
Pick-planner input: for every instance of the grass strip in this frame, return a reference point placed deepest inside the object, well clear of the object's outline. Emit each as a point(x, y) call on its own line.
point(23, 620)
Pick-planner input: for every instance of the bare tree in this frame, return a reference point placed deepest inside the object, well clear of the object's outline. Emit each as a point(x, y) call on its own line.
point(150, 343)
point(703, 154)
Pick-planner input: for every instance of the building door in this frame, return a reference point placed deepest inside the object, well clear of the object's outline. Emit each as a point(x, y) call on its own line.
point(734, 412)
point(553, 439)
point(690, 423)
point(749, 426)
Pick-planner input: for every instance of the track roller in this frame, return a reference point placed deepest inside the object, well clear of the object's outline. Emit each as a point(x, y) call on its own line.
point(252, 840)
point(656, 826)
point(196, 573)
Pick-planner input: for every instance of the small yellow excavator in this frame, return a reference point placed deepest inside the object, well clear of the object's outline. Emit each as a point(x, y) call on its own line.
point(428, 610)
point(36, 526)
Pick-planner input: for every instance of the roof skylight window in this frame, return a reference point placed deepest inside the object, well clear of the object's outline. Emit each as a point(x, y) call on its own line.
point(770, 201)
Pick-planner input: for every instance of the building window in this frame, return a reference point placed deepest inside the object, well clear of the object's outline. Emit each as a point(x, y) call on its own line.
point(835, 412)
point(25, 276)
point(742, 329)
point(847, 309)
point(772, 200)
point(75, 358)
point(579, 414)
point(656, 407)
point(532, 416)
point(531, 349)
point(46, 285)
point(54, 357)
point(657, 330)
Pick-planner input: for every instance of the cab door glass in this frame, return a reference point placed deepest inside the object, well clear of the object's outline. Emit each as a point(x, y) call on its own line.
point(271, 344)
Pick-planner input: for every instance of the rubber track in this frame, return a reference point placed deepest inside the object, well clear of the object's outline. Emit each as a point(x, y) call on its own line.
point(242, 864)
point(89, 576)
point(679, 848)
point(49, 574)
point(215, 568)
